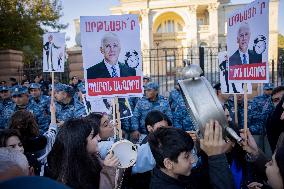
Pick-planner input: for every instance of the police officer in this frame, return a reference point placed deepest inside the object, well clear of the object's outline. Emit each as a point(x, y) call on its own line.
point(261, 108)
point(66, 105)
point(5, 96)
point(181, 117)
point(21, 100)
point(152, 101)
point(39, 99)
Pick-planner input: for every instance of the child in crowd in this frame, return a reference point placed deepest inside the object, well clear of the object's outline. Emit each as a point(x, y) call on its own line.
point(172, 148)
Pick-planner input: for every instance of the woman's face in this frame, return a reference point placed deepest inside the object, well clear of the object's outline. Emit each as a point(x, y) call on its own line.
point(92, 143)
point(106, 128)
point(15, 143)
point(273, 175)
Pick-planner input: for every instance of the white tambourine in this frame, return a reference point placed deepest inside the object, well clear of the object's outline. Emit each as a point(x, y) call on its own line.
point(126, 152)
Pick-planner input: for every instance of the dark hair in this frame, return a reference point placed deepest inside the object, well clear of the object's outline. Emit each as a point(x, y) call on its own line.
point(69, 162)
point(154, 117)
point(279, 155)
point(25, 122)
point(277, 90)
point(25, 80)
point(95, 118)
point(169, 143)
point(5, 134)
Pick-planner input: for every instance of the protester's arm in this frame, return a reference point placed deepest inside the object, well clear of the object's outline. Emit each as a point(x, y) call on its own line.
point(108, 172)
point(254, 153)
point(51, 133)
point(213, 145)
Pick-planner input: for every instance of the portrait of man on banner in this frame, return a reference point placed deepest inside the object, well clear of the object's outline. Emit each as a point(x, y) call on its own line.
point(247, 43)
point(110, 65)
point(112, 59)
point(244, 55)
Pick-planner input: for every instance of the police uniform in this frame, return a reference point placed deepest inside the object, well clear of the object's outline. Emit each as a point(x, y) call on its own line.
point(231, 109)
point(43, 101)
point(262, 107)
point(8, 101)
point(41, 119)
point(144, 105)
point(74, 109)
point(181, 117)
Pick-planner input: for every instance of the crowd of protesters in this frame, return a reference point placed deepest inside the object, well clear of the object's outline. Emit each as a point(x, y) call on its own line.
point(52, 142)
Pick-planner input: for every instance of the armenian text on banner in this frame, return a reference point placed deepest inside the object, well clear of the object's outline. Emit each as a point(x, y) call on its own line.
point(227, 86)
point(247, 41)
point(111, 56)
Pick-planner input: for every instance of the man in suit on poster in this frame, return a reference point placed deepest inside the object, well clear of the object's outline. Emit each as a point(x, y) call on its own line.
point(49, 47)
point(244, 55)
point(110, 66)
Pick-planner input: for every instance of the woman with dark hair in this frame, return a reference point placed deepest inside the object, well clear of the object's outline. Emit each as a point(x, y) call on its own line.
point(106, 127)
point(25, 123)
point(10, 138)
point(273, 169)
point(35, 145)
point(74, 158)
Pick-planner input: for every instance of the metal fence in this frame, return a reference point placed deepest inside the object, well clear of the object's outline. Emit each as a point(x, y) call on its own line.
point(33, 69)
point(166, 64)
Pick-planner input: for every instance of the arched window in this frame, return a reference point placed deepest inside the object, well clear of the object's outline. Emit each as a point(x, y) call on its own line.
point(169, 23)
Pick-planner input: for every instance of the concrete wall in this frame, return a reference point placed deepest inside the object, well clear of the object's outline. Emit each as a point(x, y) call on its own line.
point(75, 59)
point(11, 62)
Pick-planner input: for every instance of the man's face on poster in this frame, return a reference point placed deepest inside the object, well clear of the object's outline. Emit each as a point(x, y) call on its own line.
point(243, 38)
point(111, 49)
point(50, 38)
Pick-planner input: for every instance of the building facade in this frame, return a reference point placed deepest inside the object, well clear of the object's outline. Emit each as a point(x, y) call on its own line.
point(188, 23)
point(173, 30)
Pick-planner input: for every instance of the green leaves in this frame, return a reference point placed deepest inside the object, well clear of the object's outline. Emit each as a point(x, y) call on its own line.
point(22, 23)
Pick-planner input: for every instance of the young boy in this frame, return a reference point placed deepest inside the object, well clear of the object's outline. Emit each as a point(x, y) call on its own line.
point(171, 148)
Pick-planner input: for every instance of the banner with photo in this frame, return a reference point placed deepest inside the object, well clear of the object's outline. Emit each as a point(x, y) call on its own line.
point(53, 52)
point(229, 87)
point(247, 41)
point(111, 55)
point(105, 105)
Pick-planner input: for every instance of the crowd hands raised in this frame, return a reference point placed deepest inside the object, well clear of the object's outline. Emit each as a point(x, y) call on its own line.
point(74, 149)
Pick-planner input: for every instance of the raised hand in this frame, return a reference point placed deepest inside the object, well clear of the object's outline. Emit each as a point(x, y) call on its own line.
point(213, 142)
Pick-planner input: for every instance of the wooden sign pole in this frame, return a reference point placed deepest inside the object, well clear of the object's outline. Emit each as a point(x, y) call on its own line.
point(52, 86)
point(245, 109)
point(118, 119)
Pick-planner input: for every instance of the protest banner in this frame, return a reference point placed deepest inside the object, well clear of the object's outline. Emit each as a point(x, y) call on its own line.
point(111, 55)
point(53, 52)
point(247, 42)
point(105, 105)
point(227, 86)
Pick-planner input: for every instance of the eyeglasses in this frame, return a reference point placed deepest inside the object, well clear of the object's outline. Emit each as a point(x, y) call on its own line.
point(4, 91)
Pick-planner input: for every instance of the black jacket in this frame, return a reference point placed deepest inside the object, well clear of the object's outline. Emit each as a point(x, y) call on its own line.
point(219, 173)
point(100, 71)
point(275, 126)
point(235, 59)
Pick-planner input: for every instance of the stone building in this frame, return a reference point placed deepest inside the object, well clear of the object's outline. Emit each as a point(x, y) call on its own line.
point(185, 23)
